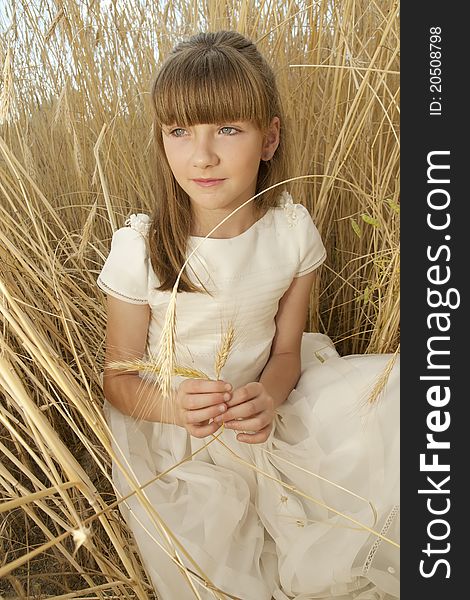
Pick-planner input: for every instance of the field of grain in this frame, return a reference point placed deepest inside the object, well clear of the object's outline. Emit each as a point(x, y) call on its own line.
point(76, 159)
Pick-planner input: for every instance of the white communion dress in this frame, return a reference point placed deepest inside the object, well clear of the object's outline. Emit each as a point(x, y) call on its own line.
point(256, 533)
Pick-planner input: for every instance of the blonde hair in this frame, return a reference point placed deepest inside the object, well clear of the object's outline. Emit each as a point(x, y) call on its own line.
point(211, 77)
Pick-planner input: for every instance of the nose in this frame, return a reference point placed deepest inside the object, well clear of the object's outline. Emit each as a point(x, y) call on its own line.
point(204, 153)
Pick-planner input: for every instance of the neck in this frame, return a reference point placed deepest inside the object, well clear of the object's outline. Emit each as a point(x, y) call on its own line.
point(205, 221)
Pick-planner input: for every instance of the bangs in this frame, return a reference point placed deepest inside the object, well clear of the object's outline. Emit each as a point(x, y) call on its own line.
point(214, 86)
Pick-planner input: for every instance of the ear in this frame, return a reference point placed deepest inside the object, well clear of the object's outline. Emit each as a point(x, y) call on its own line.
point(271, 139)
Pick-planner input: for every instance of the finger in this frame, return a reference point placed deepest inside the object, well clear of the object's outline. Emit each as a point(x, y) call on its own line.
point(201, 431)
point(247, 409)
point(205, 386)
point(241, 395)
point(255, 438)
point(254, 424)
point(198, 416)
point(197, 401)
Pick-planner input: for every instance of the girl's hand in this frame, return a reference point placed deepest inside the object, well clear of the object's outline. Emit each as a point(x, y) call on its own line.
point(199, 400)
point(255, 407)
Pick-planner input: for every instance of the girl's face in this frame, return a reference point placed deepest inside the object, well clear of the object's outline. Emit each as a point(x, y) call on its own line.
point(217, 164)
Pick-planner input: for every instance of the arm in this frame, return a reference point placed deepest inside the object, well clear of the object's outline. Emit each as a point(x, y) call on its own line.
point(126, 338)
point(196, 401)
point(282, 371)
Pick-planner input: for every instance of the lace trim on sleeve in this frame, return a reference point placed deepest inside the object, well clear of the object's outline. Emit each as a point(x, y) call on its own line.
point(109, 289)
point(312, 267)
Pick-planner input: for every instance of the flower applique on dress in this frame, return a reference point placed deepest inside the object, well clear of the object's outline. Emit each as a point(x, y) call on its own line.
point(140, 222)
point(290, 209)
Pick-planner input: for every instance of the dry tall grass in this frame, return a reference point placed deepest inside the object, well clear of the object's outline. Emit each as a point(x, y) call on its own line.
point(74, 84)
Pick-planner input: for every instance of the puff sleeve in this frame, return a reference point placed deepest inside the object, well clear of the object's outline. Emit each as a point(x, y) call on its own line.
point(125, 272)
point(311, 249)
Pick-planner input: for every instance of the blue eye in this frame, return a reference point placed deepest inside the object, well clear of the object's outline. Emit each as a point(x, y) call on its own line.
point(227, 127)
point(177, 129)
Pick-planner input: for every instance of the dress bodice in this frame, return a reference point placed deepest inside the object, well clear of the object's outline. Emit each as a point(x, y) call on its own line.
point(244, 277)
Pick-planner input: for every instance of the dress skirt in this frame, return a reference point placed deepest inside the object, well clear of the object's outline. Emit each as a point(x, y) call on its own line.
point(310, 513)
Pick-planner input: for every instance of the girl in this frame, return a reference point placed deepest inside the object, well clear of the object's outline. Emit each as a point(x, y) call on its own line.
point(288, 403)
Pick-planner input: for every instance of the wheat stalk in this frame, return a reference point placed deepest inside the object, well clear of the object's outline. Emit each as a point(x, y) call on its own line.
point(87, 230)
point(383, 378)
point(224, 350)
point(150, 367)
point(164, 365)
point(57, 19)
point(7, 91)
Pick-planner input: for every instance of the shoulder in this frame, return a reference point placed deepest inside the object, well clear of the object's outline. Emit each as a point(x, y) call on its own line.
point(125, 273)
point(294, 225)
point(139, 222)
point(137, 227)
point(133, 235)
point(290, 215)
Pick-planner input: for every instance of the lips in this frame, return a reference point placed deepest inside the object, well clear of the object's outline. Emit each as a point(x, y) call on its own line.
point(208, 182)
point(208, 179)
